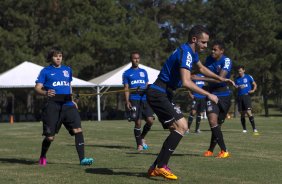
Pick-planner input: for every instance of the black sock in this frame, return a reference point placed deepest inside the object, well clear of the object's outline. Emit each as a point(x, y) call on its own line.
point(219, 137)
point(243, 122)
point(79, 144)
point(137, 134)
point(252, 120)
point(213, 142)
point(45, 146)
point(190, 121)
point(198, 121)
point(168, 148)
point(146, 129)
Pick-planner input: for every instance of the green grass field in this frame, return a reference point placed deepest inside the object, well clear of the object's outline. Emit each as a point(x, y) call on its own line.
point(255, 159)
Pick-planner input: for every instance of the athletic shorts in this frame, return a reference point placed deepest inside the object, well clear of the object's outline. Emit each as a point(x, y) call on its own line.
point(199, 105)
point(55, 114)
point(143, 109)
point(221, 108)
point(162, 105)
point(244, 103)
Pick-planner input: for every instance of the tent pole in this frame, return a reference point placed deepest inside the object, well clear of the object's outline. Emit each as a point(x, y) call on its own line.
point(98, 104)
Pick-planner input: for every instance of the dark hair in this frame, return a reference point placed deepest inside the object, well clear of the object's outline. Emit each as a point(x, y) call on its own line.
point(52, 52)
point(219, 43)
point(133, 52)
point(196, 31)
point(241, 66)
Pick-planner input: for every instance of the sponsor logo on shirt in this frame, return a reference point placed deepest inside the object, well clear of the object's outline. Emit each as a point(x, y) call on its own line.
point(138, 82)
point(61, 83)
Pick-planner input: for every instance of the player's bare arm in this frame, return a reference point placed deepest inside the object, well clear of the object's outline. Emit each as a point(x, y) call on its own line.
point(189, 84)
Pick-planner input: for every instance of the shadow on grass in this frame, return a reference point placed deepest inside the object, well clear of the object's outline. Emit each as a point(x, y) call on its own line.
point(176, 154)
point(18, 161)
point(107, 171)
point(111, 146)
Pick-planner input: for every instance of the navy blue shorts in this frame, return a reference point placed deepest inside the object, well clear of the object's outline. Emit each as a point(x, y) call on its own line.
point(244, 103)
point(55, 114)
point(221, 108)
point(199, 105)
point(143, 109)
point(162, 105)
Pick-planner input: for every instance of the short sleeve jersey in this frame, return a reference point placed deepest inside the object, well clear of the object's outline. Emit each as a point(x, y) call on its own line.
point(182, 57)
point(56, 78)
point(200, 84)
point(136, 78)
point(216, 66)
point(244, 84)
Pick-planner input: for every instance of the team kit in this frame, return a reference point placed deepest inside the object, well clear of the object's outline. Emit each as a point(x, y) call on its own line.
point(209, 90)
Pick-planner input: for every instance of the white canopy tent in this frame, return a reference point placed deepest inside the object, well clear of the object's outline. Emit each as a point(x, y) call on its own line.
point(25, 74)
point(114, 79)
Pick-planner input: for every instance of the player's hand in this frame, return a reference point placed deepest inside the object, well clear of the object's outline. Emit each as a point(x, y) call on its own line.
point(251, 91)
point(128, 105)
point(213, 98)
point(228, 81)
point(51, 93)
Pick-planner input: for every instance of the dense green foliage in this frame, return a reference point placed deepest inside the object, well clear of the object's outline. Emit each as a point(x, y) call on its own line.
point(97, 35)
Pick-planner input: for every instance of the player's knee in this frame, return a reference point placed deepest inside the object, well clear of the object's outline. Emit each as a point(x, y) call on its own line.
point(50, 139)
point(181, 125)
point(75, 131)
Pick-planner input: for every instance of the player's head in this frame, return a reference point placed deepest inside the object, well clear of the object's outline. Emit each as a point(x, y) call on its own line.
point(199, 37)
point(217, 49)
point(241, 70)
point(55, 56)
point(135, 59)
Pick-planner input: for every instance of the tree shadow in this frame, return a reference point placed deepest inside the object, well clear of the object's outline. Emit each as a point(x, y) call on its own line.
point(106, 146)
point(111, 146)
point(174, 154)
point(18, 161)
point(107, 171)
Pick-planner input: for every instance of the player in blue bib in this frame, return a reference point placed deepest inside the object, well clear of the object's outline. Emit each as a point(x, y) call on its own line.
point(176, 73)
point(54, 82)
point(198, 105)
point(246, 85)
point(136, 78)
point(220, 65)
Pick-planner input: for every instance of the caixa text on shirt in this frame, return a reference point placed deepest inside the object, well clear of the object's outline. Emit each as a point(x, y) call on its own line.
point(61, 83)
point(138, 82)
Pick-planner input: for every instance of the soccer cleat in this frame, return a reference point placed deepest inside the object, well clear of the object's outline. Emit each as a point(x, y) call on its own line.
point(152, 171)
point(145, 146)
point(198, 131)
point(165, 172)
point(42, 161)
point(208, 154)
point(223, 154)
point(187, 132)
point(256, 132)
point(244, 131)
point(87, 161)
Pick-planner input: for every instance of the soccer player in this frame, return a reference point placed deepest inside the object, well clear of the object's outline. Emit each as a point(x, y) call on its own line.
point(246, 86)
point(137, 78)
point(54, 82)
point(198, 105)
point(220, 65)
point(176, 73)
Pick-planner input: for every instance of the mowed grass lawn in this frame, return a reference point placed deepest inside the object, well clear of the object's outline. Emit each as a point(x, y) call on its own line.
point(255, 159)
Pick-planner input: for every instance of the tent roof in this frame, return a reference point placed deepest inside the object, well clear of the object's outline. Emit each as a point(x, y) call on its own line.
point(114, 77)
point(25, 74)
